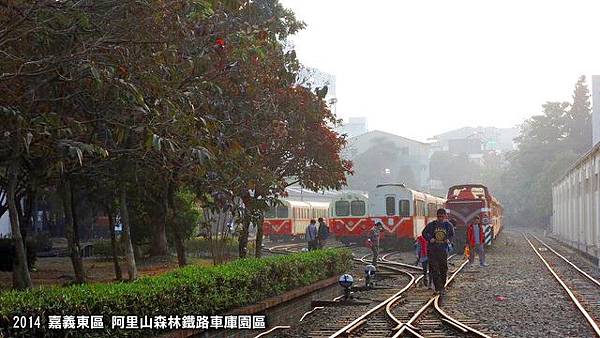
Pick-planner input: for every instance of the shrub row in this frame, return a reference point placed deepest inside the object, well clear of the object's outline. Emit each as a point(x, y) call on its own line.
point(191, 290)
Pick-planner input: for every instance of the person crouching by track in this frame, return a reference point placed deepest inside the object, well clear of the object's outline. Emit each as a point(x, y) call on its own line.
point(438, 234)
point(374, 240)
point(323, 233)
point(476, 240)
point(311, 235)
point(421, 252)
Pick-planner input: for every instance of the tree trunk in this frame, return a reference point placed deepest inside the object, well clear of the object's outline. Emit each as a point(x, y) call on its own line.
point(259, 236)
point(180, 247)
point(72, 240)
point(159, 236)
point(243, 239)
point(113, 243)
point(21, 277)
point(126, 237)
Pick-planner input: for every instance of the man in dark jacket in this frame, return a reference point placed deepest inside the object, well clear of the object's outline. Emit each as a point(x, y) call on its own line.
point(323, 233)
point(438, 235)
point(373, 239)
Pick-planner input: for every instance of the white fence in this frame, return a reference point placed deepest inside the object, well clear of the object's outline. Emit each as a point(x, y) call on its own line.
point(576, 204)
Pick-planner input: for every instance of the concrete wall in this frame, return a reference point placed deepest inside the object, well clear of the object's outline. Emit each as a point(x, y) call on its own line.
point(576, 204)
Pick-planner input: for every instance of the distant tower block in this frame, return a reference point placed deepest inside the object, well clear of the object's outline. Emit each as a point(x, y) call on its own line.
point(596, 107)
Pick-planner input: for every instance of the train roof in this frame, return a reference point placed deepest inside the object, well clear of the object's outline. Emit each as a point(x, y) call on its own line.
point(352, 194)
point(318, 204)
point(420, 194)
point(485, 189)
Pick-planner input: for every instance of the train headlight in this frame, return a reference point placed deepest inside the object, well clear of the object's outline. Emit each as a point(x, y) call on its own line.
point(486, 221)
point(363, 226)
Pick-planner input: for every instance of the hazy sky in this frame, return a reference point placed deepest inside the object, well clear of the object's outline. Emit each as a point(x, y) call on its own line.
point(419, 68)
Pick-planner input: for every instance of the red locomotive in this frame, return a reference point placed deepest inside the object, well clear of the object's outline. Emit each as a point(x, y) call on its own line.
point(466, 201)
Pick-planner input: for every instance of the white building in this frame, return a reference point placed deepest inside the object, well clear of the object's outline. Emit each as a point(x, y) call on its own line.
point(576, 195)
point(596, 108)
point(4, 225)
point(354, 127)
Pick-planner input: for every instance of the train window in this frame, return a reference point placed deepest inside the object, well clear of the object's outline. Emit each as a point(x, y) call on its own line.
point(430, 209)
point(282, 211)
point(342, 208)
point(357, 208)
point(270, 213)
point(390, 205)
point(404, 208)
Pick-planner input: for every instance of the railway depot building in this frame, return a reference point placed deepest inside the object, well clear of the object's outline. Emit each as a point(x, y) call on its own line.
point(576, 195)
point(401, 159)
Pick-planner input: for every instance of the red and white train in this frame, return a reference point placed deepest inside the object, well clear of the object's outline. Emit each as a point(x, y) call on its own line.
point(466, 201)
point(403, 212)
point(288, 220)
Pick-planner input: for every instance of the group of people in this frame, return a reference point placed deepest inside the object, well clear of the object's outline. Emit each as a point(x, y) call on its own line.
point(433, 245)
point(316, 236)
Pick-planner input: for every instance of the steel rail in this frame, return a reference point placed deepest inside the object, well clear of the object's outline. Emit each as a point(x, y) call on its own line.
point(583, 311)
point(409, 327)
point(271, 330)
point(362, 318)
point(592, 279)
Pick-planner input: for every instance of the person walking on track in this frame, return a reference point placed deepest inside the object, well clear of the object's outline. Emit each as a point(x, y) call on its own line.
point(323, 233)
point(438, 234)
point(476, 239)
point(311, 235)
point(374, 240)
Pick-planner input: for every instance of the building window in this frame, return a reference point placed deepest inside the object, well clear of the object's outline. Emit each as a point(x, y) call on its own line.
point(390, 206)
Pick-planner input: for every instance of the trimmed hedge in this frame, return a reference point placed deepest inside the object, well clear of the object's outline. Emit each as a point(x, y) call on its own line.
point(191, 290)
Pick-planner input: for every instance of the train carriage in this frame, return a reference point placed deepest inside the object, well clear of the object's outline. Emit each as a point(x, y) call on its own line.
point(465, 202)
point(349, 217)
point(403, 212)
point(288, 220)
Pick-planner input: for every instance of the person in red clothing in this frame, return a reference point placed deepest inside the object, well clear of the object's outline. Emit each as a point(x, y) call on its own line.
point(421, 252)
point(476, 240)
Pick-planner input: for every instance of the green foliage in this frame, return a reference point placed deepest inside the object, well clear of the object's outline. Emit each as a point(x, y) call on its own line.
point(187, 215)
point(103, 248)
point(201, 246)
point(189, 290)
point(547, 145)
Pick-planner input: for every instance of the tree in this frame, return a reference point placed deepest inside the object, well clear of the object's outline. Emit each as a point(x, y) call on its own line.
point(579, 119)
point(548, 143)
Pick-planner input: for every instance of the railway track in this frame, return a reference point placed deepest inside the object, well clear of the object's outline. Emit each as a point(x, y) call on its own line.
point(583, 289)
point(410, 311)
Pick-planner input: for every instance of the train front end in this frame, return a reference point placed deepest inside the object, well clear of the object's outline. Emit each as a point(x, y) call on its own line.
point(463, 204)
point(349, 218)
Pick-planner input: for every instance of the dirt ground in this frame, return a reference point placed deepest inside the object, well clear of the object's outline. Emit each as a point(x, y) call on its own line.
point(59, 271)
